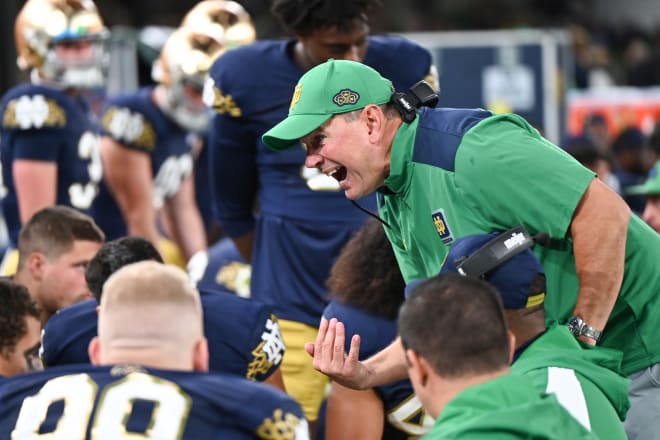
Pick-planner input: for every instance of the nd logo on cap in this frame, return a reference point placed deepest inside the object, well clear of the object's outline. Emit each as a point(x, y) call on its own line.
point(296, 96)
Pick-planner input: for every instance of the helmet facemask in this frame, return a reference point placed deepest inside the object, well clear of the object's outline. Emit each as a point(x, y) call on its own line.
point(86, 69)
point(63, 42)
point(181, 70)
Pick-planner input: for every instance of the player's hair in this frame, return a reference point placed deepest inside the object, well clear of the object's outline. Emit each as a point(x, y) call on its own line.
point(52, 231)
point(306, 16)
point(149, 304)
point(366, 275)
point(15, 306)
point(457, 324)
point(114, 255)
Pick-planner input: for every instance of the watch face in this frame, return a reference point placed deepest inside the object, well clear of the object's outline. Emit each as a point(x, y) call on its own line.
point(575, 325)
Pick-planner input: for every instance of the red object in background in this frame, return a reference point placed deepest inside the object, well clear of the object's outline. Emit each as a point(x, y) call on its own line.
point(621, 107)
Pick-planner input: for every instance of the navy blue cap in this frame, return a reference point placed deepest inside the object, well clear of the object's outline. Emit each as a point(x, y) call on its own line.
point(514, 278)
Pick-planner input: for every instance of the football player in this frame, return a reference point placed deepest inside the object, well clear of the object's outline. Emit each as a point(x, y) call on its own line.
point(54, 247)
point(366, 289)
point(19, 330)
point(151, 137)
point(47, 137)
point(149, 377)
point(244, 336)
point(303, 220)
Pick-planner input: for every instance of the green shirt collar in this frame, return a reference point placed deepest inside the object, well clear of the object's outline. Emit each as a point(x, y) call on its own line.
point(401, 156)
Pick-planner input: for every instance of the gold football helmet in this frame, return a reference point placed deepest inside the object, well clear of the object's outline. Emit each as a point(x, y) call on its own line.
point(63, 41)
point(226, 19)
point(181, 70)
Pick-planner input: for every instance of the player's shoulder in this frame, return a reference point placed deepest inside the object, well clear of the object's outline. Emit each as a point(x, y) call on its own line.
point(15, 388)
point(66, 335)
point(139, 100)
point(234, 393)
point(250, 79)
point(73, 315)
point(230, 392)
point(387, 53)
point(231, 305)
point(226, 269)
point(29, 106)
point(133, 118)
point(376, 331)
point(384, 45)
point(248, 61)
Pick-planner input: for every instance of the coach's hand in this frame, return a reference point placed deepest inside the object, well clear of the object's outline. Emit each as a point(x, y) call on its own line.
point(331, 359)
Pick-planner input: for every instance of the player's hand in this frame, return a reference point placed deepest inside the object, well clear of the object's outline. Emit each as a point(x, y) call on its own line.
point(330, 358)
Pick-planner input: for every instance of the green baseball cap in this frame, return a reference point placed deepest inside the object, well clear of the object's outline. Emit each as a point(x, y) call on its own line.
point(651, 186)
point(336, 86)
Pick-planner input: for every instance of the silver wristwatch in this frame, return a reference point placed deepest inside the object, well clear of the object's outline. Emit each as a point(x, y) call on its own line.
point(578, 327)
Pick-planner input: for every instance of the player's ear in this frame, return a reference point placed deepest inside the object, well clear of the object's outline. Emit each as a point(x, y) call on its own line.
point(94, 351)
point(201, 355)
point(417, 368)
point(35, 264)
point(512, 345)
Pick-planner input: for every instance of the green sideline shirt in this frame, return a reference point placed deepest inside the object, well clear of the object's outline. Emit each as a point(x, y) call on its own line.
point(505, 174)
point(508, 407)
point(582, 378)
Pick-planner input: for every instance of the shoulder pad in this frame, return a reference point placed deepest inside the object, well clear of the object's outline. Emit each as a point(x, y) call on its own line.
point(33, 111)
point(129, 127)
point(218, 101)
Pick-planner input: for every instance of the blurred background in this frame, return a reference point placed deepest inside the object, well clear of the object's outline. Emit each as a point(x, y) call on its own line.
point(561, 64)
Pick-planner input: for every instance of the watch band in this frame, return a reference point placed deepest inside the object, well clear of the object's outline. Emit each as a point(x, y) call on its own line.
point(578, 327)
point(590, 332)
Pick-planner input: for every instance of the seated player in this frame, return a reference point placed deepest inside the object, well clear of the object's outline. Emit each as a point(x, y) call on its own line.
point(149, 377)
point(366, 291)
point(244, 337)
point(20, 330)
point(55, 246)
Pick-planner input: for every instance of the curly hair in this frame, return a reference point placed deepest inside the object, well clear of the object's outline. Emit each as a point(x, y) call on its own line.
point(15, 305)
point(366, 275)
point(306, 16)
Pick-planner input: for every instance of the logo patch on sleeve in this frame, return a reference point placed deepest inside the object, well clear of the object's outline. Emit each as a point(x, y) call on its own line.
point(440, 223)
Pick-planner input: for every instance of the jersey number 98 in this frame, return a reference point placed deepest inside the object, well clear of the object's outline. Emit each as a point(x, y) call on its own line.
point(113, 410)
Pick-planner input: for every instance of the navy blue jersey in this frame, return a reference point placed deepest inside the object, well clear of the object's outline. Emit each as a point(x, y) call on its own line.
point(226, 270)
point(404, 416)
point(82, 402)
point(135, 121)
point(304, 220)
point(203, 188)
point(45, 124)
point(243, 336)
point(66, 335)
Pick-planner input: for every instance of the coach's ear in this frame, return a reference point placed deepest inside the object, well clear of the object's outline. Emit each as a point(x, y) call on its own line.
point(94, 351)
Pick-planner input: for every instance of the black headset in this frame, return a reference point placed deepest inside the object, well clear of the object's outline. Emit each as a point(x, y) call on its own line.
point(500, 249)
point(419, 95)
